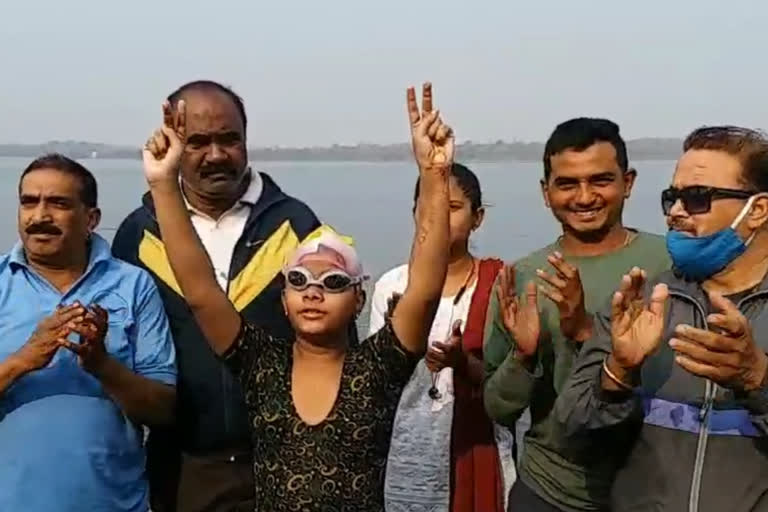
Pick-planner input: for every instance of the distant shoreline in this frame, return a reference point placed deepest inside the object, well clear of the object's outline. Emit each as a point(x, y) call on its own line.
point(647, 149)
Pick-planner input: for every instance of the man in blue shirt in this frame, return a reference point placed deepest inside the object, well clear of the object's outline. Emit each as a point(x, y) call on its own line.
point(86, 357)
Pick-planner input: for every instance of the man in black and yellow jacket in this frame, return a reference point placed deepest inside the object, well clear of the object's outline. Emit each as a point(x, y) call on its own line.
point(249, 227)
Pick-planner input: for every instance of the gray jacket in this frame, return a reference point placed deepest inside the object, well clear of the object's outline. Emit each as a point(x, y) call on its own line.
point(691, 445)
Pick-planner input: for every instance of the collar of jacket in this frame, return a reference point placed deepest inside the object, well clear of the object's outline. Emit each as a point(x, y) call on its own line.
point(271, 194)
point(691, 289)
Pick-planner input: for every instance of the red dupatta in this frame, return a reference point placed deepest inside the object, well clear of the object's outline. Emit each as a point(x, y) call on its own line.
point(477, 480)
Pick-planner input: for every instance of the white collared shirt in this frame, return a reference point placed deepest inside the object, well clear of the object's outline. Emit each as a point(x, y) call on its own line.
point(220, 236)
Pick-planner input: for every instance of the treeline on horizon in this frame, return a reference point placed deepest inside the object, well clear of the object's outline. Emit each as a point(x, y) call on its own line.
point(649, 148)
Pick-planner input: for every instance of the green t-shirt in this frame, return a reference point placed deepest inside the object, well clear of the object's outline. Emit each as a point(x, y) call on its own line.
point(574, 474)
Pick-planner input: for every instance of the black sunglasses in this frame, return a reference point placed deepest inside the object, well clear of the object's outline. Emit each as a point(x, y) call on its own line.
point(698, 199)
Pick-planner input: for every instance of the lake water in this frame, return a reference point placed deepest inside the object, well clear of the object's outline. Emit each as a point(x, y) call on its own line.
point(372, 202)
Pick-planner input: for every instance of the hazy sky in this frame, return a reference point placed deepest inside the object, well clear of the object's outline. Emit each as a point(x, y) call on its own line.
point(334, 71)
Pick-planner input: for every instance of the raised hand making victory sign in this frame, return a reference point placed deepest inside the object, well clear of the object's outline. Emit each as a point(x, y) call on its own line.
point(433, 148)
point(432, 140)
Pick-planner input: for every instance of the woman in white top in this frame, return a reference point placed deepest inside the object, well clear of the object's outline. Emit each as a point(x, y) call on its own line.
point(446, 454)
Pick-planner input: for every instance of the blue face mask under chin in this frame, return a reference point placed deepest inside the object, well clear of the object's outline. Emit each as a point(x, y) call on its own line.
point(699, 258)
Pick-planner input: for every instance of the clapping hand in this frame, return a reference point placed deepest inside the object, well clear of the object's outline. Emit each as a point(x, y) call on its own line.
point(520, 319)
point(730, 357)
point(636, 326)
point(49, 337)
point(448, 354)
point(91, 351)
point(564, 288)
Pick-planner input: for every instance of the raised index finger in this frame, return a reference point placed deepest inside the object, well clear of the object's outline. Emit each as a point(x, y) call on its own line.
point(168, 115)
point(181, 120)
point(426, 98)
point(413, 108)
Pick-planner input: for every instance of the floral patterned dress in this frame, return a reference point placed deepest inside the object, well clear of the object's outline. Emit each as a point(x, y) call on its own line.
point(337, 465)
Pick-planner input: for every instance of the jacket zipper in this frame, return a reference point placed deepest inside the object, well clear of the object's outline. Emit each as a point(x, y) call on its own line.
point(226, 391)
point(225, 379)
point(710, 391)
point(709, 394)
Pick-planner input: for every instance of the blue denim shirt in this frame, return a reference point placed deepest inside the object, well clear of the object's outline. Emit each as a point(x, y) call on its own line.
point(65, 445)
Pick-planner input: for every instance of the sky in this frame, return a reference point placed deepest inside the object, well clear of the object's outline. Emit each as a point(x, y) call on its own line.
point(316, 73)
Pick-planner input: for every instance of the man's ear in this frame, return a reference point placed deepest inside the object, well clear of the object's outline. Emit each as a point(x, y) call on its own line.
point(629, 181)
point(757, 218)
point(94, 218)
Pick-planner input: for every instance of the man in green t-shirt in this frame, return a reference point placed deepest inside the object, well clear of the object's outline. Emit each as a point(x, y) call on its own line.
point(541, 315)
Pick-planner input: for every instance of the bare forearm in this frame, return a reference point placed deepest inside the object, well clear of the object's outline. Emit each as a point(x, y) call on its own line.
point(144, 400)
point(10, 371)
point(431, 241)
point(190, 263)
point(428, 263)
point(186, 254)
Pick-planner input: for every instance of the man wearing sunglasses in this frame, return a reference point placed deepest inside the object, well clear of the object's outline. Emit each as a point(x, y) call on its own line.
point(681, 359)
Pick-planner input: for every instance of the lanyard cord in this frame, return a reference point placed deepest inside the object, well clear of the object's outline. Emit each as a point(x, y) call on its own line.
point(434, 393)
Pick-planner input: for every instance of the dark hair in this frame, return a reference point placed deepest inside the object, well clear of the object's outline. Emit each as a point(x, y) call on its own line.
point(88, 190)
point(468, 183)
point(210, 85)
point(750, 147)
point(580, 133)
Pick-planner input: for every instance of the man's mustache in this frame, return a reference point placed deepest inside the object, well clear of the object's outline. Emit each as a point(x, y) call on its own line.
point(44, 228)
point(208, 170)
